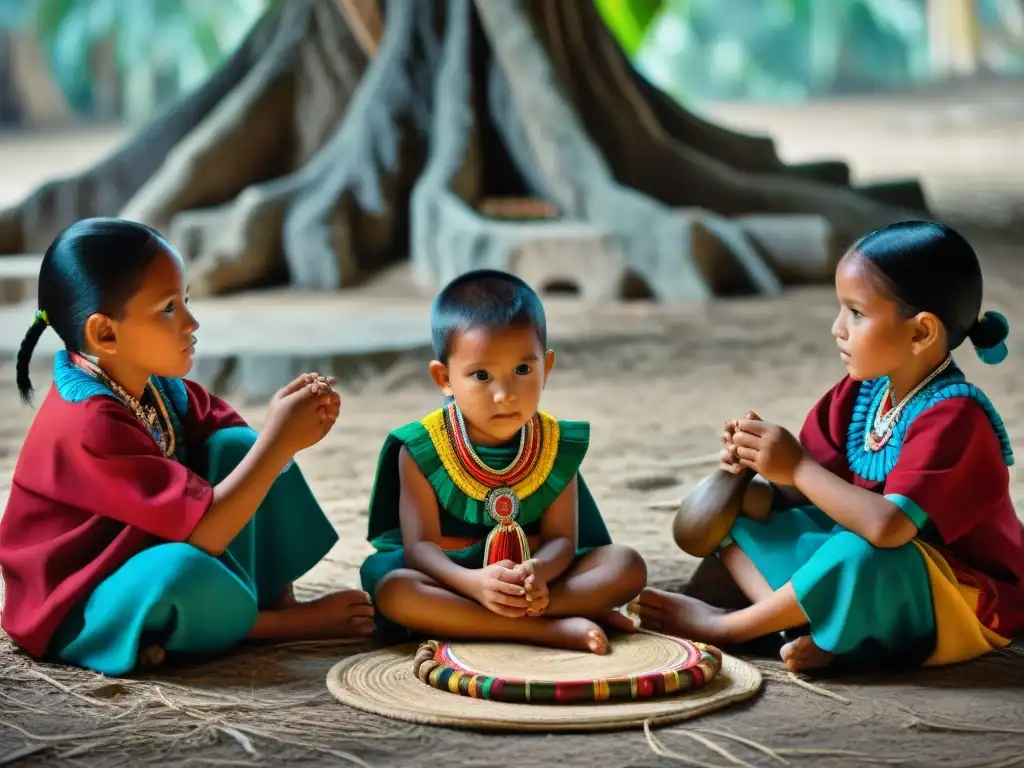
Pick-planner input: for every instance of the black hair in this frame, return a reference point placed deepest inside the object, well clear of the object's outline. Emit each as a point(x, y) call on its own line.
point(486, 298)
point(930, 267)
point(93, 266)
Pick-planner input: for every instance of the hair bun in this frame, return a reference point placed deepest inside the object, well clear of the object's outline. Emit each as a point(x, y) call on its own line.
point(988, 335)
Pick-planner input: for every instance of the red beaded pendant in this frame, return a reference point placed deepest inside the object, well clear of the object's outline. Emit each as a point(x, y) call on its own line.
point(876, 443)
point(507, 540)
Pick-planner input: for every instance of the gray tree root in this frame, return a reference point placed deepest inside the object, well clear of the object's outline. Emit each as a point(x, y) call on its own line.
point(350, 208)
point(223, 197)
point(337, 139)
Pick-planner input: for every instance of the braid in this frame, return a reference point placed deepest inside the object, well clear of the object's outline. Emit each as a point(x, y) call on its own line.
point(28, 345)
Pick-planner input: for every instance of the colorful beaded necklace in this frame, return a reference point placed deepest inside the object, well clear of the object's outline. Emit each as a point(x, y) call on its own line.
point(875, 465)
point(523, 463)
point(885, 421)
point(506, 541)
point(155, 419)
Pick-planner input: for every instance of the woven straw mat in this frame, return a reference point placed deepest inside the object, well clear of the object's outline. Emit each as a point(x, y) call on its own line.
point(382, 682)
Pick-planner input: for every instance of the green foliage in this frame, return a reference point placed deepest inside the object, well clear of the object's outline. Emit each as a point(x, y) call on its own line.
point(629, 20)
point(694, 49)
point(175, 42)
point(13, 14)
point(783, 49)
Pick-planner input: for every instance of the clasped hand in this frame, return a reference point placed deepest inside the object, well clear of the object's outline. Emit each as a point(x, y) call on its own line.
point(768, 449)
point(513, 590)
point(304, 411)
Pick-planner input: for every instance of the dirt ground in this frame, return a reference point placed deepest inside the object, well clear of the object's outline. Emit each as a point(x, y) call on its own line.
point(656, 404)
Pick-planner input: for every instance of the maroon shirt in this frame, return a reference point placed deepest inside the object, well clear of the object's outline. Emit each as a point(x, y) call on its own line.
point(90, 490)
point(951, 465)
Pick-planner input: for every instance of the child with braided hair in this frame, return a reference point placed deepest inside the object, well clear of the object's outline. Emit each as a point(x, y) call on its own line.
point(885, 536)
point(482, 524)
point(144, 516)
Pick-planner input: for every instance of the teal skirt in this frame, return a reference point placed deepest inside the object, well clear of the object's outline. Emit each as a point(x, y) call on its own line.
point(188, 602)
point(868, 605)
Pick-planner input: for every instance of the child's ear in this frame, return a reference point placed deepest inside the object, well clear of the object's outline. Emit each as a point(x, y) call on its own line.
point(549, 363)
point(439, 373)
point(100, 337)
point(927, 331)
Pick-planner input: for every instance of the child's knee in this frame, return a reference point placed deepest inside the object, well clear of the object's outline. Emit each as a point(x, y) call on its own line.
point(378, 567)
point(860, 553)
point(194, 577)
point(395, 588)
point(398, 582)
point(742, 525)
point(212, 607)
point(630, 564)
point(624, 566)
point(232, 443)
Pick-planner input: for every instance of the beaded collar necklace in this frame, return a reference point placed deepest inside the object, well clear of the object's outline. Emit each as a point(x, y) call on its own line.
point(501, 501)
point(885, 421)
point(507, 539)
point(154, 418)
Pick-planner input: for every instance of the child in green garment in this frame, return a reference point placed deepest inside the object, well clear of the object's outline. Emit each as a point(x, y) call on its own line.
point(482, 524)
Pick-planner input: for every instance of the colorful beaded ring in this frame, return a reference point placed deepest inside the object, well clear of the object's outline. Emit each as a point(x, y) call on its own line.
point(437, 665)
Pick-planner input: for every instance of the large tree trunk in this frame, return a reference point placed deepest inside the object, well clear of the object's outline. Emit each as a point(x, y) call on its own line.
point(29, 97)
point(513, 134)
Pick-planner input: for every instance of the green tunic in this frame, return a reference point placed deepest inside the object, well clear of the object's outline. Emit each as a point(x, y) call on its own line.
point(465, 517)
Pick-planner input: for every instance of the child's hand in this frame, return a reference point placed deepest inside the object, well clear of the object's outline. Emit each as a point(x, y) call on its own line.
point(303, 412)
point(768, 449)
point(536, 587)
point(729, 460)
point(499, 589)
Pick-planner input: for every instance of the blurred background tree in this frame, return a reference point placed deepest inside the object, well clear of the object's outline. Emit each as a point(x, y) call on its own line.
point(793, 50)
point(127, 59)
point(114, 60)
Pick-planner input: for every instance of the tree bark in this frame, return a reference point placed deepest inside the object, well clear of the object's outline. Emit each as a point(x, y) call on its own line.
point(224, 191)
point(37, 99)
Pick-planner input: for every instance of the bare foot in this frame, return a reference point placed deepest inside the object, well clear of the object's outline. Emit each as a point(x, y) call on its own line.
point(335, 616)
point(679, 615)
point(615, 621)
point(342, 614)
point(803, 654)
point(575, 634)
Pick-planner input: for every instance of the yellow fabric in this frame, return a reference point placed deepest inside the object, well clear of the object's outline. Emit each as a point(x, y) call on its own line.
point(465, 482)
point(959, 635)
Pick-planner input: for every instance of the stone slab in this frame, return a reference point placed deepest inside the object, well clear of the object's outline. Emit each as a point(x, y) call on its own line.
point(20, 267)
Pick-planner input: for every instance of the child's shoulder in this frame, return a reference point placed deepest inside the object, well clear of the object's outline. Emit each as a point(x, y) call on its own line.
point(81, 409)
point(416, 429)
point(68, 429)
point(960, 414)
point(569, 430)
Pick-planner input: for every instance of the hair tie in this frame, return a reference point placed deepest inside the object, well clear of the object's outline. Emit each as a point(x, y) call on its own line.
point(41, 316)
point(989, 337)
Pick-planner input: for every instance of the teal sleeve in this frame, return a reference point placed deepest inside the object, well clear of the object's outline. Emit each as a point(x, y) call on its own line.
point(910, 508)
